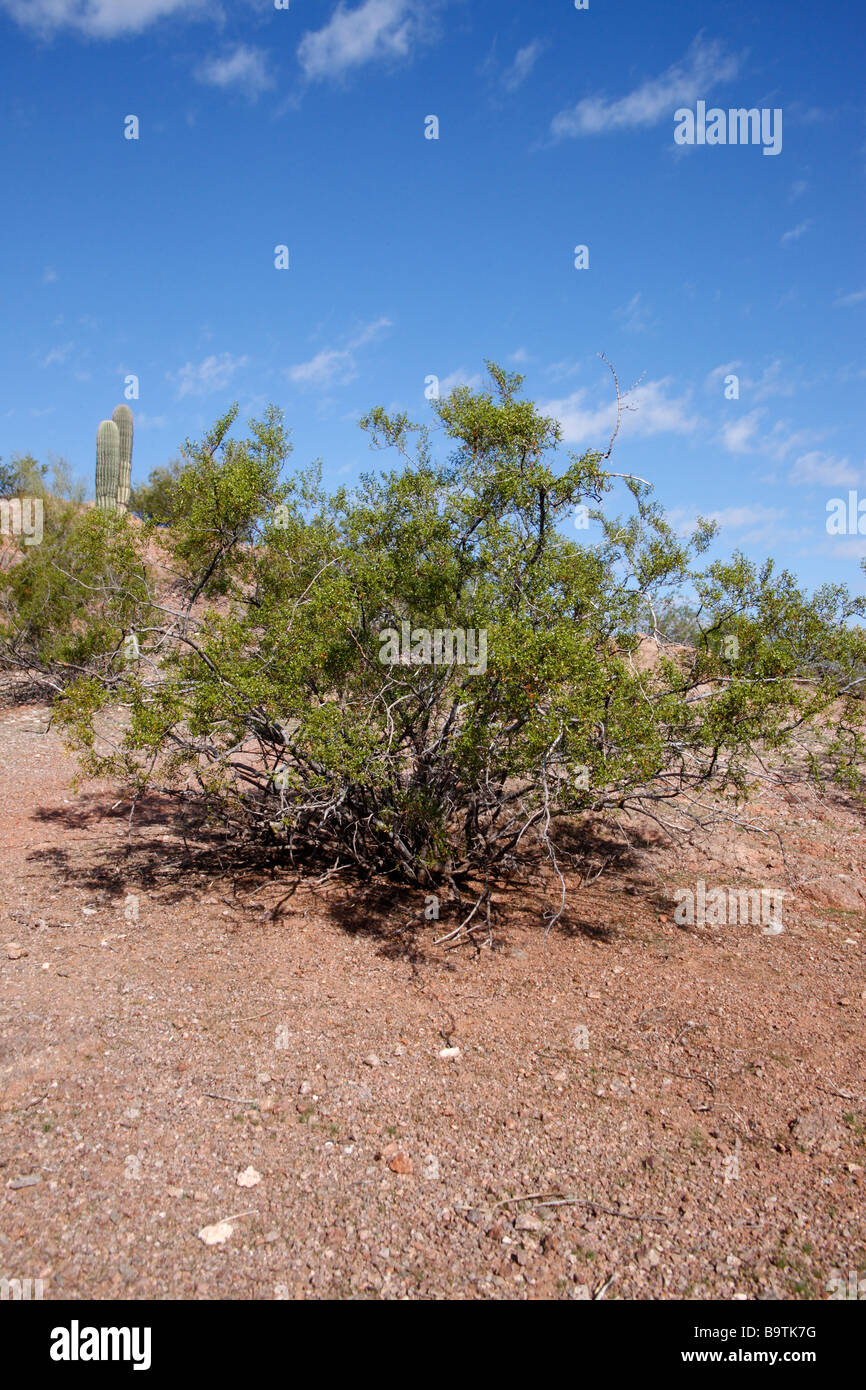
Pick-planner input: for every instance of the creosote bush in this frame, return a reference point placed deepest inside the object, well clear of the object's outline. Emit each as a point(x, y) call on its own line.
point(259, 687)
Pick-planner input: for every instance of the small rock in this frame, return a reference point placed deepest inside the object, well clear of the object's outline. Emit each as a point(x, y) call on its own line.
point(15, 951)
point(430, 1168)
point(528, 1221)
point(371, 1060)
point(812, 1127)
point(449, 1054)
point(400, 1162)
point(248, 1178)
point(217, 1234)
point(174, 1191)
point(305, 1088)
point(30, 1181)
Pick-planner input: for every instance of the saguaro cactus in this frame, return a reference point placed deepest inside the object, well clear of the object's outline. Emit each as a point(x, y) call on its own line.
point(107, 465)
point(122, 417)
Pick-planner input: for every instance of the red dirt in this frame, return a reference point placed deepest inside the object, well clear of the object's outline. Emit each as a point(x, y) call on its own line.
point(710, 1137)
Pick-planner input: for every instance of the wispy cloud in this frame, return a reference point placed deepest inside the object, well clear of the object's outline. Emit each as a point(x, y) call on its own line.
point(102, 19)
point(845, 301)
point(524, 61)
point(652, 410)
point(738, 436)
point(213, 374)
point(773, 381)
point(744, 436)
point(335, 366)
point(719, 373)
point(372, 31)
point(796, 232)
point(459, 378)
point(825, 469)
point(57, 356)
point(635, 316)
point(760, 523)
point(49, 275)
point(243, 67)
point(704, 66)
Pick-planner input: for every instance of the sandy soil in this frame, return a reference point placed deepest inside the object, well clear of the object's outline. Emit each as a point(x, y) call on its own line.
point(690, 1103)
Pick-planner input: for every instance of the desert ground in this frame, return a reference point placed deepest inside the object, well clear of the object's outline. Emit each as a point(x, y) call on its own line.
point(621, 1107)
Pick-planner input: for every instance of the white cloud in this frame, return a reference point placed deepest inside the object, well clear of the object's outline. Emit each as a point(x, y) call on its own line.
point(703, 67)
point(49, 275)
point(635, 316)
point(103, 19)
point(372, 31)
point(797, 189)
point(335, 366)
point(651, 411)
point(737, 436)
point(719, 373)
point(562, 370)
point(524, 61)
point(213, 374)
point(796, 232)
point(759, 522)
point(745, 516)
point(244, 67)
point(57, 356)
point(826, 469)
point(845, 301)
point(742, 437)
point(459, 378)
point(770, 383)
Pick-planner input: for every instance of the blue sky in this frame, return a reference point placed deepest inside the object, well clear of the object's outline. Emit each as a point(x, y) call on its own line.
point(411, 257)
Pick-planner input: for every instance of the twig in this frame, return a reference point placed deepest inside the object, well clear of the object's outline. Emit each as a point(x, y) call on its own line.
point(549, 1200)
point(603, 1288)
point(232, 1100)
point(253, 1018)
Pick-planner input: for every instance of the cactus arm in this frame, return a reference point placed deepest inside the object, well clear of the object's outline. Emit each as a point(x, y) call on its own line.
point(107, 465)
point(122, 417)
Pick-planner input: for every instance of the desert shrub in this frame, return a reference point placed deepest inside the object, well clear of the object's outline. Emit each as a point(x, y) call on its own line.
point(262, 688)
point(155, 500)
point(68, 603)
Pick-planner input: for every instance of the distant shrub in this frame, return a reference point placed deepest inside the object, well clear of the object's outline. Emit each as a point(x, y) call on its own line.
point(155, 500)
